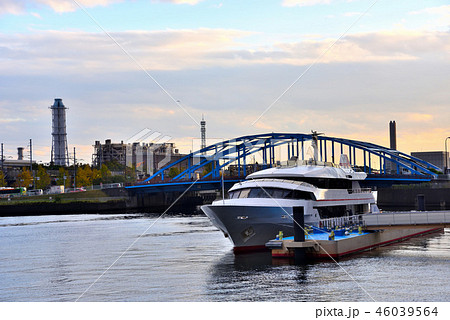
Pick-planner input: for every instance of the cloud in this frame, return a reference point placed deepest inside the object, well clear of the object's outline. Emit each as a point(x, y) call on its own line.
point(304, 3)
point(439, 17)
point(191, 2)
point(418, 117)
point(441, 11)
point(352, 14)
point(9, 120)
point(72, 52)
point(21, 6)
point(11, 6)
point(35, 14)
point(60, 6)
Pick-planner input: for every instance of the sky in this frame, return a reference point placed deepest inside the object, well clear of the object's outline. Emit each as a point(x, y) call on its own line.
point(342, 67)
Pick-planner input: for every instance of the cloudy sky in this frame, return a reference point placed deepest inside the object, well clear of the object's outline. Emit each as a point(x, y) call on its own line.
point(341, 67)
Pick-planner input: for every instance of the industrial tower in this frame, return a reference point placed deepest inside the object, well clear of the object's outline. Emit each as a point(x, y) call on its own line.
point(203, 132)
point(393, 135)
point(60, 152)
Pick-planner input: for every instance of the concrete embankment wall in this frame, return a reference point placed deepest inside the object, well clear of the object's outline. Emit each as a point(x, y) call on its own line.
point(75, 207)
point(170, 202)
point(414, 198)
point(116, 200)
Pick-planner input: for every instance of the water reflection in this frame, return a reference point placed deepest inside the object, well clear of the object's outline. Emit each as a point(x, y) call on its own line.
point(255, 277)
point(390, 273)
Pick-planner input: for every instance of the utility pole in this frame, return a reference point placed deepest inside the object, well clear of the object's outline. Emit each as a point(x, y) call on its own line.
point(31, 155)
point(446, 156)
point(74, 169)
point(2, 158)
point(31, 160)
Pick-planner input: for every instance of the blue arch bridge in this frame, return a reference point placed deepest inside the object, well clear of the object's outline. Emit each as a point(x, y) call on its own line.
point(238, 157)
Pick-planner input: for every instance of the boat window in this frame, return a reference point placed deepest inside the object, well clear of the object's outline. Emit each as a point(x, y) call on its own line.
point(298, 194)
point(244, 193)
point(287, 194)
point(324, 183)
point(258, 193)
point(234, 194)
point(275, 193)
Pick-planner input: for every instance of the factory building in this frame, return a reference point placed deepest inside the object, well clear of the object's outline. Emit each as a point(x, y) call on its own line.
point(145, 158)
point(438, 158)
point(13, 167)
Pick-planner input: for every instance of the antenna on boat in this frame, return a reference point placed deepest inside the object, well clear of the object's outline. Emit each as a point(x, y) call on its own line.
point(223, 188)
point(314, 143)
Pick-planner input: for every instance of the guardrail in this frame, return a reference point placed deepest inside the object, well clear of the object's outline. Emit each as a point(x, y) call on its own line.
point(400, 218)
point(407, 218)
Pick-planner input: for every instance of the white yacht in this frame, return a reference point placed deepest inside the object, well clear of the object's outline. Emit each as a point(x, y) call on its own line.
point(261, 206)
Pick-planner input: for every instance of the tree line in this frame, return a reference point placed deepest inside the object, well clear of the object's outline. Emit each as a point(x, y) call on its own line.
point(86, 175)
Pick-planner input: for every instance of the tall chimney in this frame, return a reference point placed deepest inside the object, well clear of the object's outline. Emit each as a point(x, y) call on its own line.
point(60, 152)
point(19, 153)
point(203, 133)
point(393, 135)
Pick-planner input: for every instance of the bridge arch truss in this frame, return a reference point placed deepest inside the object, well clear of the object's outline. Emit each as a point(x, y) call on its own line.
point(211, 159)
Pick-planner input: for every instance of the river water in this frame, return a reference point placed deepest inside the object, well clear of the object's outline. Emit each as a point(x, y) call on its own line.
point(137, 257)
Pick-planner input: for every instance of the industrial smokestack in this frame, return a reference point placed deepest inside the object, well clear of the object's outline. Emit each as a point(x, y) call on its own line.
point(19, 153)
point(203, 133)
point(393, 135)
point(60, 152)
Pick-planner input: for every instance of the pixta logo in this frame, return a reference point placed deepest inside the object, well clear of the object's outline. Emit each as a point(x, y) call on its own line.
point(148, 151)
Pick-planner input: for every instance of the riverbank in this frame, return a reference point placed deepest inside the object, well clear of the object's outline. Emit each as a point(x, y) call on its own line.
point(423, 197)
point(96, 201)
point(106, 201)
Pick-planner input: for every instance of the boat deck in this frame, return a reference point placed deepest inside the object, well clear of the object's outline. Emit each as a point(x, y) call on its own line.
point(318, 244)
point(324, 236)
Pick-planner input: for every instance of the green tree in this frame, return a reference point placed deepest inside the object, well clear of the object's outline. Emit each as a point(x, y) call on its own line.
point(173, 172)
point(207, 169)
point(84, 176)
point(96, 177)
point(42, 178)
point(24, 179)
point(130, 174)
point(2, 179)
point(105, 174)
point(114, 165)
point(61, 181)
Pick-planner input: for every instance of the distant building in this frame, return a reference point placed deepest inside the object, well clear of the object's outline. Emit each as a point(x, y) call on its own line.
point(146, 158)
point(434, 157)
point(12, 168)
point(109, 152)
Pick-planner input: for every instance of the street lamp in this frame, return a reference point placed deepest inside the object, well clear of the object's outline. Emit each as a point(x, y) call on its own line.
point(446, 156)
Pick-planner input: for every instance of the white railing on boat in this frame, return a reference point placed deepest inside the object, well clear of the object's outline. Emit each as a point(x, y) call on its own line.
point(345, 221)
point(295, 163)
point(359, 190)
